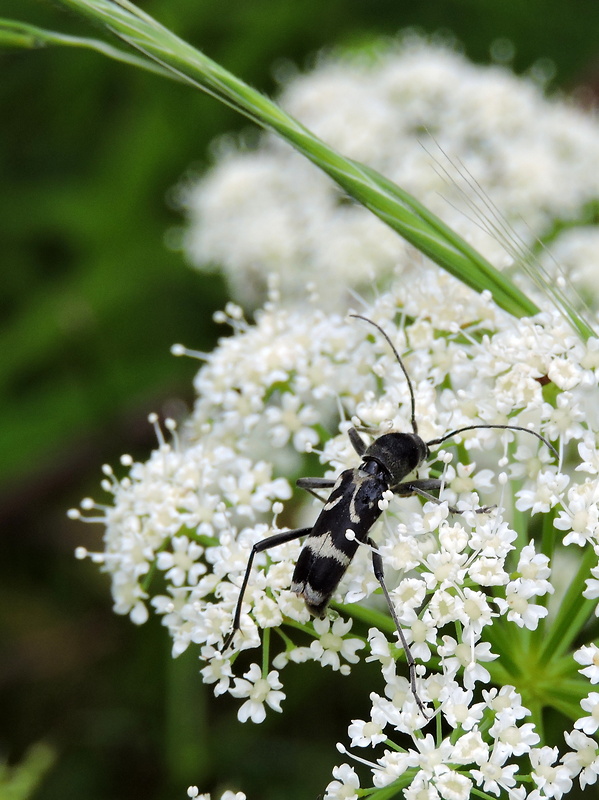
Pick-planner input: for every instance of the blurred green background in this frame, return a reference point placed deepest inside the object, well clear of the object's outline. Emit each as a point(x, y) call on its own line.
point(91, 301)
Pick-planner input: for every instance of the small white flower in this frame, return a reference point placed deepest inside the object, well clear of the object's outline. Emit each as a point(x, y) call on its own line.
point(432, 759)
point(259, 690)
point(367, 734)
point(453, 538)
point(506, 703)
point(513, 739)
point(592, 590)
point(583, 759)
point(444, 607)
point(517, 606)
point(408, 594)
point(492, 538)
point(470, 749)
point(588, 655)
point(398, 690)
point(292, 419)
point(564, 421)
point(580, 515)
point(553, 781)
point(346, 785)
point(459, 710)
point(474, 612)
point(518, 388)
point(181, 565)
point(590, 724)
point(217, 671)
point(547, 492)
point(380, 650)
point(534, 570)
point(453, 786)
point(529, 461)
point(267, 612)
point(468, 655)
point(401, 552)
point(466, 479)
point(421, 635)
point(332, 645)
point(445, 569)
point(488, 571)
point(494, 774)
point(391, 766)
point(421, 789)
point(589, 453)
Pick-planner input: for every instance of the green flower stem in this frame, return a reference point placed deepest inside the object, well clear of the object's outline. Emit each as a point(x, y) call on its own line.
point(265, 651)
point(394, 746)
point(547, 548)
point(507, 644)
point(394, 789)
point(535, 706)
point(186, 719)
point(520, 521)
point(439, 723)
point(573, 612)
point(567, 692)
point(544, 679)
point(289, 644)
point(548, 534)
point(147, 581)
point(370, 616)
point(300, 626)
point(392, 205)
point(479, 793)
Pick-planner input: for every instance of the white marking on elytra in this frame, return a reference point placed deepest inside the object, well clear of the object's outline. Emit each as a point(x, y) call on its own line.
point(323, 547)
point(312, 596)
point(332, 503)
point(354, 515)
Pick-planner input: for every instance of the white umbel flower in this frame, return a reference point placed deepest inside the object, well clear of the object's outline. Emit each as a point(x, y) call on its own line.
point(269, 211)
point(469, 587)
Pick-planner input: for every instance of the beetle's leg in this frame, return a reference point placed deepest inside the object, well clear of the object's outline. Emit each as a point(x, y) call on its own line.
point(415, 486)
point(357, 442)
point(309, 484)
point(423, 488)
point(377, 565)
point(265, 544)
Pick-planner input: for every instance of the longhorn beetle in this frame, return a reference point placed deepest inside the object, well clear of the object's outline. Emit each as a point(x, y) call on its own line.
point(351, 510)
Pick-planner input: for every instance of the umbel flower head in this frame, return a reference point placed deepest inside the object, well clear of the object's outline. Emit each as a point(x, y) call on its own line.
point(398, 108)
point(472, 591)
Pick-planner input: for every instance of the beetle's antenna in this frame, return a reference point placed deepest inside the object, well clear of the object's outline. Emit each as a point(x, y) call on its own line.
point(501, 427)
point(400, 362)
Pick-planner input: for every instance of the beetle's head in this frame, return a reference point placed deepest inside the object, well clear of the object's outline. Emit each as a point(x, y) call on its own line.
point(398, 454)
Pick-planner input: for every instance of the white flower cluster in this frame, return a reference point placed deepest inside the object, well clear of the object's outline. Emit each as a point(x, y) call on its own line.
point(193, 794)
point(483, 751)
point(471, 590)
point(269, 211)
